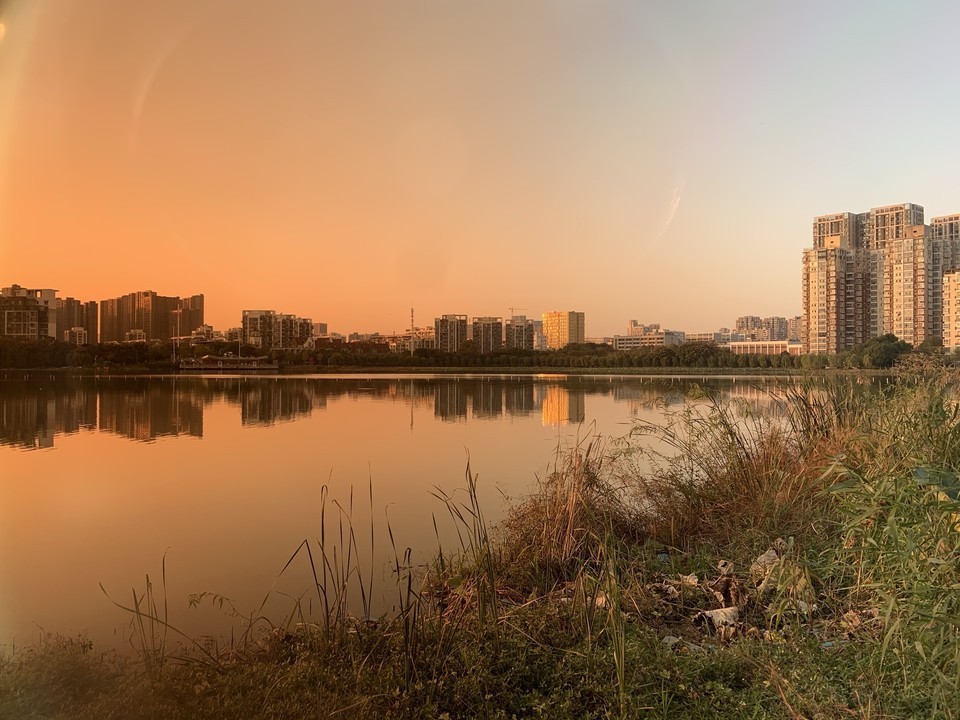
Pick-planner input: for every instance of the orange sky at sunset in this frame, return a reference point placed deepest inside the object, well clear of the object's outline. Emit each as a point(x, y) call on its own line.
point(343, 161)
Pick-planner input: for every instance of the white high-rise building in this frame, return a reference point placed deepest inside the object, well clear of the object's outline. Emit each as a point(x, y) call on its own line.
point(877, 272)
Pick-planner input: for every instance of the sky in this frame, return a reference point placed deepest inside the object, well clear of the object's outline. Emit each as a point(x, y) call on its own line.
point(346, 161)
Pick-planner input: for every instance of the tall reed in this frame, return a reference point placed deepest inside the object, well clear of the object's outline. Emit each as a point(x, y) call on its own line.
point(899, 555)
point(720, 471)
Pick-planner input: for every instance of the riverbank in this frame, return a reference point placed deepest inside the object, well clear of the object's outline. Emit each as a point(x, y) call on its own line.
point(795, 567)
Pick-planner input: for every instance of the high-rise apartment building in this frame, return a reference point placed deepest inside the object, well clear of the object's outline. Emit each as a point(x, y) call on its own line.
point(883, 224)
point(907, 275)
point(521, 333)
point(74, 315)
point(945, 234)
point(749, 323)
point(773, 328)
point(188, 316)
point(488, 334)
point(149, 316)
point(29, 313)
point(450, 332)
point(833, 320)
point(563, 328)
point(795, 328)
point(760, 328)
point(951, 311)
point(290, 331)
point(257, 328)
point(877, 272)
point(270, 330)
point(22, 317)
point(539, 337)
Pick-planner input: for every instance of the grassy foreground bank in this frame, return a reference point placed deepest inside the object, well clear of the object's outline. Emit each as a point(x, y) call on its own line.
point(800, 561)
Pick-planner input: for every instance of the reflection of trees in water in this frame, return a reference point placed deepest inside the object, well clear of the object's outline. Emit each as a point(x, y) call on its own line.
point(145, 408)
point(755, 394)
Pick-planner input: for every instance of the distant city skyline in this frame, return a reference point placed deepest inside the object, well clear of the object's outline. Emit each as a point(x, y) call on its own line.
point(151, 316)
point(372, 326)
point(344, 161)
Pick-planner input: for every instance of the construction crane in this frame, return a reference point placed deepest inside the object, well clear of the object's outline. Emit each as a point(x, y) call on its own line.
point(512, 308)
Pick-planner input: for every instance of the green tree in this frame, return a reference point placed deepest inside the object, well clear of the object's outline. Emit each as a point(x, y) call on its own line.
point(882, 352)
point(932, 346)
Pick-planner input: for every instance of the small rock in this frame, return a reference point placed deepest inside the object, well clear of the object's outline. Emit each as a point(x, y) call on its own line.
point(670, 640)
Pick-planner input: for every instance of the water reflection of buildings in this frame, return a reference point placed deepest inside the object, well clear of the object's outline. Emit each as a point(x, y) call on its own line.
point(265, 402)
point(562, 406)
point(491, 398)
point(147, 410)
point(31, 415)
point(144, 409)
point(450, 401)
point(488, 400)
point(518, 397)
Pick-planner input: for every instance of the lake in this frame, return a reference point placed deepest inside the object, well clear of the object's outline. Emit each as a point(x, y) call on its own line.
point(104, 477)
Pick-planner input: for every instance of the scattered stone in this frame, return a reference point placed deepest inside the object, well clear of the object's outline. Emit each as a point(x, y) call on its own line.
point(670, 641)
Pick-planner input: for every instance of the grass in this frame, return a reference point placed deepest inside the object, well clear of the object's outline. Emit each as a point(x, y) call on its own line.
point(825, 521)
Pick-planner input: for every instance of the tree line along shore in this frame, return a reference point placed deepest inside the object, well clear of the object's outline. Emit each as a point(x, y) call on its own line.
point(880, 353)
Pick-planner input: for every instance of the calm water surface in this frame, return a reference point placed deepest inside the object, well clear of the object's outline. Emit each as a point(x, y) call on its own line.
point(100, 478)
